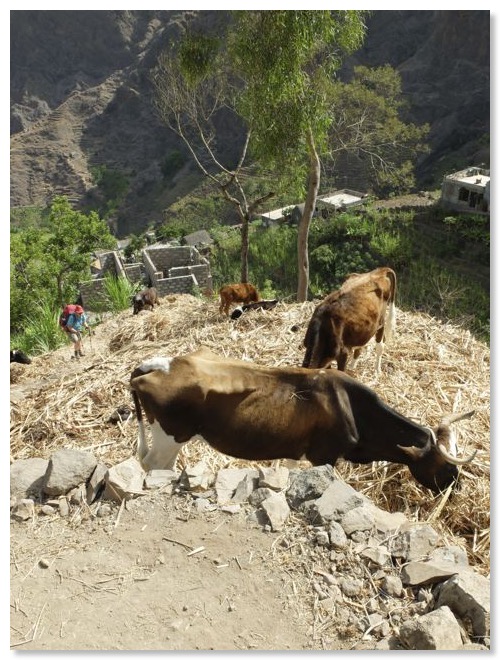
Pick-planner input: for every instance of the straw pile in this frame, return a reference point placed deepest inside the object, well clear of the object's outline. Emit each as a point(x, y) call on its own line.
point(429, 370)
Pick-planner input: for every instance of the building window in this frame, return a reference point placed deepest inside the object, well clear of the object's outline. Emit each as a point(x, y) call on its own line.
point(463, 195)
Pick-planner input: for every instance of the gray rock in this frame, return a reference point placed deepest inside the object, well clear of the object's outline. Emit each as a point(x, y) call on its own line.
point(392, 586)
point(23, 510)
point(197, 478)
point(357, 520)
point(378, 555)
point(259, 495)
point(415, 542)
point(351, 586)
point(67, 468)
point(27, 476)
point(227, 481)
point(63, 507)
point(277, 510)
point(321, 537)
point(308, 484)
point(468, 596)
point(96, 482)
point(244, 489)
point(437, 630)
point(159, 478)
point(338, 538)
point(371, 621)
point(452, 554)
point(77, 495)
point(422, 572)
point(335, 502)
point(124, 480)
point(274, 478)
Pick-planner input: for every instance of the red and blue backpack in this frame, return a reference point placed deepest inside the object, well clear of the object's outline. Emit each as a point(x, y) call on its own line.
point(63, 318)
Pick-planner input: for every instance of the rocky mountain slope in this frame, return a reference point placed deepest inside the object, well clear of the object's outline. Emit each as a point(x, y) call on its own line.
point(81, 97)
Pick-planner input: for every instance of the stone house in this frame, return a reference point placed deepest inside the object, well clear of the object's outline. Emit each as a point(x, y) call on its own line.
point(170, 269)
point(467, 191)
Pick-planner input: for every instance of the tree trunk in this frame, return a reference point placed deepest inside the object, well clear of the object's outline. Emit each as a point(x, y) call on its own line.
point(305, 221)
point(244, 247)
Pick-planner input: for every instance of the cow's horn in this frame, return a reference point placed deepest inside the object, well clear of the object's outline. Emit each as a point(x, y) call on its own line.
point(446, 421)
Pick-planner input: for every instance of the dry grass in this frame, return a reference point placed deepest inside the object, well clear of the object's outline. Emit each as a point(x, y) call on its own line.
point(429, 370)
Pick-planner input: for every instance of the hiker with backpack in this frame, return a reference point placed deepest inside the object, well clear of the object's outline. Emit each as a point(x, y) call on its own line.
point(73, 321)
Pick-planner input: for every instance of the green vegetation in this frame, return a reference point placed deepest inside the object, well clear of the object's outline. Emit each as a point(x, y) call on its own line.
point(444, 274)
point(113, 185)
point(172, 164)
point(48, 263)
point(119, 292)
point(38, 330)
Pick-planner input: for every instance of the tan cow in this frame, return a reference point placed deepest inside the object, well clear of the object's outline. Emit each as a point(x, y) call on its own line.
point(349, 317)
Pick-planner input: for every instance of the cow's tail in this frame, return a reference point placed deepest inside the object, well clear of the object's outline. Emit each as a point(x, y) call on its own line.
point(390, 324)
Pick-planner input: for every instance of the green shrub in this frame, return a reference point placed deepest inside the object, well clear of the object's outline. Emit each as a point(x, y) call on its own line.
point(41, 331)
point(119, 292)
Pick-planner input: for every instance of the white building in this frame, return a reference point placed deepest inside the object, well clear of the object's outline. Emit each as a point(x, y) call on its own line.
point(467, 190)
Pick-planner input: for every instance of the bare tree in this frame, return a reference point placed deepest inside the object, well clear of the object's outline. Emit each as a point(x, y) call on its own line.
point(190, 102)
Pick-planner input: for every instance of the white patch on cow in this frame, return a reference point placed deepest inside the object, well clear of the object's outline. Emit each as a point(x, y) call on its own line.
point(390, 324)
point(142, 444)
point(163, 452)
point(162, 363)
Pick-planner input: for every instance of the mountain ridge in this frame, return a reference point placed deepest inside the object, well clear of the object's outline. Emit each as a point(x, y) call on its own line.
point(81, 97)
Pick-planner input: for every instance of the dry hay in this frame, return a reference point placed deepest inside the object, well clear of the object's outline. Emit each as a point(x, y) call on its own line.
point(429, 370)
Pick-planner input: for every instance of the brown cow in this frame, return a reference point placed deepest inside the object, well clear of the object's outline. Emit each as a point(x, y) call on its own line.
point(348, 318)
point(261, 413)
point(237, 293)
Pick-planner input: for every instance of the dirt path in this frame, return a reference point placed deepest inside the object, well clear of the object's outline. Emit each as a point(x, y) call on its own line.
point(127, 581)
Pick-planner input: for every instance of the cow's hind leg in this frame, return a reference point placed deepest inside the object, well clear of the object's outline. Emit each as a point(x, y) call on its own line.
point(342, 357)
point(356, 353)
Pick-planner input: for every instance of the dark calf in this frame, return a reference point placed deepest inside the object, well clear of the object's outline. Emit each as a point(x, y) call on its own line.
point(19, 356)
point(145, 299)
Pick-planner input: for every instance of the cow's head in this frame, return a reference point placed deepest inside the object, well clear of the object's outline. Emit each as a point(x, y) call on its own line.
point(435, 466)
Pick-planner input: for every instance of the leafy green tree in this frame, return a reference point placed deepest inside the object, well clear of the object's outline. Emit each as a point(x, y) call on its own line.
point(135, 245)
point(288, 59)
point(50, 263)
point(366, 128)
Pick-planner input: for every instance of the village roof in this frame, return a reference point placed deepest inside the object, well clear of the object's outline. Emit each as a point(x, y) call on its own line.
point(341, 198)
point(472, 176)
point(277, 214)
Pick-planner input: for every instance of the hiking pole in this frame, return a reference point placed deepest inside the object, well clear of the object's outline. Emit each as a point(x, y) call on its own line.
point(90, 339)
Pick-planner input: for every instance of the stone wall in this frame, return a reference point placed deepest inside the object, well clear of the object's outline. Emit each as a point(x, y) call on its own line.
point(177, 269)
point(170, 269)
